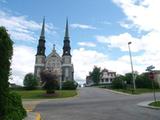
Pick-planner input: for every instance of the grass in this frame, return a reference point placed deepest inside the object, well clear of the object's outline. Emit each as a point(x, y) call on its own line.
point(155, 104)
point(130, 91)
point(40, 94)
point(137, 91)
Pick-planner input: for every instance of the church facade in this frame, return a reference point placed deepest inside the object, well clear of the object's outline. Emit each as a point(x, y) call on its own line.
point(61, 65)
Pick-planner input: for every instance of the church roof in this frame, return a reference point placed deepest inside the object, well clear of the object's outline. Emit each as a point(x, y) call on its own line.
point(53, 54)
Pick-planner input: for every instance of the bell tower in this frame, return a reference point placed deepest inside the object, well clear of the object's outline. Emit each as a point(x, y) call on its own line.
point(67, 66)
point(40, 56)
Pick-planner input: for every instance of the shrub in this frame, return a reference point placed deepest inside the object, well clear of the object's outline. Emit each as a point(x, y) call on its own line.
point(69, 85)
point(15, 110)
point(30, 82)
point(118, 83)
point(143, 81)
point(49, 81)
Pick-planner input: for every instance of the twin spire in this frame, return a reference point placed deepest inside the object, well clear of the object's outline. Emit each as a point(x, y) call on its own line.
point(43, 28)
point(41, 45)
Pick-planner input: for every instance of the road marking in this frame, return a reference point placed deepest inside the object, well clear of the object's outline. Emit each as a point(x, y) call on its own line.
point(38, 116)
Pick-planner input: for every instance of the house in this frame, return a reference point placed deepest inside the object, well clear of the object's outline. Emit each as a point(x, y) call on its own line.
point(107, 76)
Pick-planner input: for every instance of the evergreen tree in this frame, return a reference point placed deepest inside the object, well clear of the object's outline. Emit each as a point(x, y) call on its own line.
point(95, 74)
point(6, 52)
point(10, 103)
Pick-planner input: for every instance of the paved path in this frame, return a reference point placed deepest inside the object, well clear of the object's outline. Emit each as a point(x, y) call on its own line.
point(98, 104)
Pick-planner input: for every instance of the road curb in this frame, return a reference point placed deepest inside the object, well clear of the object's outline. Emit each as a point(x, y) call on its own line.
point(116, 92)
point(38, 116)
point(146, 105)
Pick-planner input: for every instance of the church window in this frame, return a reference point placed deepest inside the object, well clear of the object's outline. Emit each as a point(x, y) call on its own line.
point(66, 72)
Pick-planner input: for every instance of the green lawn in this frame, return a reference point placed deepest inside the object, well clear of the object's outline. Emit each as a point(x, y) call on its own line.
point(138, 91)
point(40, 94)
point(156, 104)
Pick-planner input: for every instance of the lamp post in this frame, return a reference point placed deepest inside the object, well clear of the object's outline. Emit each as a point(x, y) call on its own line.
point(133, 78)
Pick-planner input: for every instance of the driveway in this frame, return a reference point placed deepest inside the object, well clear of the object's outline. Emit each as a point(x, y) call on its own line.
point(98, 104)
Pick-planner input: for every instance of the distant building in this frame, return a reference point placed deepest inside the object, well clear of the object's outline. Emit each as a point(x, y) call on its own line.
point(89, 81)
point(107, 76)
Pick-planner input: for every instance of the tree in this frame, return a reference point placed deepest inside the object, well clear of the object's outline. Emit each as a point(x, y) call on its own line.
point(95, 74)
point(8, 101)
point(6, 52)
point(128, 78)
point(118, 82)
point(69, 85)
point(49, 81)
point(143, 81)
point(30, 81)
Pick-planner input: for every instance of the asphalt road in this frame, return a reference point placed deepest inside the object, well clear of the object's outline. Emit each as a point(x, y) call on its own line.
point(98, 104)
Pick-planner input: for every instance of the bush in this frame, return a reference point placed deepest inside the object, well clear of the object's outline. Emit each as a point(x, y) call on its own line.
point(69, 85)
point(143, 81)
point(49, 81)
point(30, 82)
point(15, 110)
point(118, 83)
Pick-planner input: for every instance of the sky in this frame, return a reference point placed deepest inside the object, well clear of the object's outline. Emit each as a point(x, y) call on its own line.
point(99, 33)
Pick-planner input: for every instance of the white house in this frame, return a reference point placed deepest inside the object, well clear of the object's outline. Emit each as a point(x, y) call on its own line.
point(107, 76)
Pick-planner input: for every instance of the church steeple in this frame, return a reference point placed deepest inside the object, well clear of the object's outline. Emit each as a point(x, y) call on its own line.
point(66, 46)
point(41, 45)
point(66, 31)
point(43, 28)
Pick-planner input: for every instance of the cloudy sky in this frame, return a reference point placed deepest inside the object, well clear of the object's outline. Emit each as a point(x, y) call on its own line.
point(99, 33)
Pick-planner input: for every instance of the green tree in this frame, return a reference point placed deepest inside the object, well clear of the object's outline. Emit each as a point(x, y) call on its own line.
point(95, 74)
point(69, 85)
point(128, 78)
point(143, 81)
point(49, 81)
point(30, 82)
point(118, 82)
point(7, 100)
point(6, 52)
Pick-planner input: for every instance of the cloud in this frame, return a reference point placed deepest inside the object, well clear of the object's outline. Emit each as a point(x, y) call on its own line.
point(146, 47)
point(3, 1)
point(84, 61)
point(141, 13)
point(88, 44)
point(121, 41)
point(22, 63)
point(106, 22)
point(21, 28)
point(82, 26)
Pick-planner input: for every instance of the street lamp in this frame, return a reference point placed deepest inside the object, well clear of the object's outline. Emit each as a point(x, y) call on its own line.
point(133, 78)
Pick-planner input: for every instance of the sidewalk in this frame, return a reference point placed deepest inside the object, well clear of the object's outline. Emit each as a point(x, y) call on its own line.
point(29, 105)
point(146, 104)
point(32, 116)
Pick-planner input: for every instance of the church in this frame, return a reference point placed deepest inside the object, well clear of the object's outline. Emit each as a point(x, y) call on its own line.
point(62, 65)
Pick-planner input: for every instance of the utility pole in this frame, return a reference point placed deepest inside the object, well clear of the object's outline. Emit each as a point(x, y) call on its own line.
point(133, 77)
